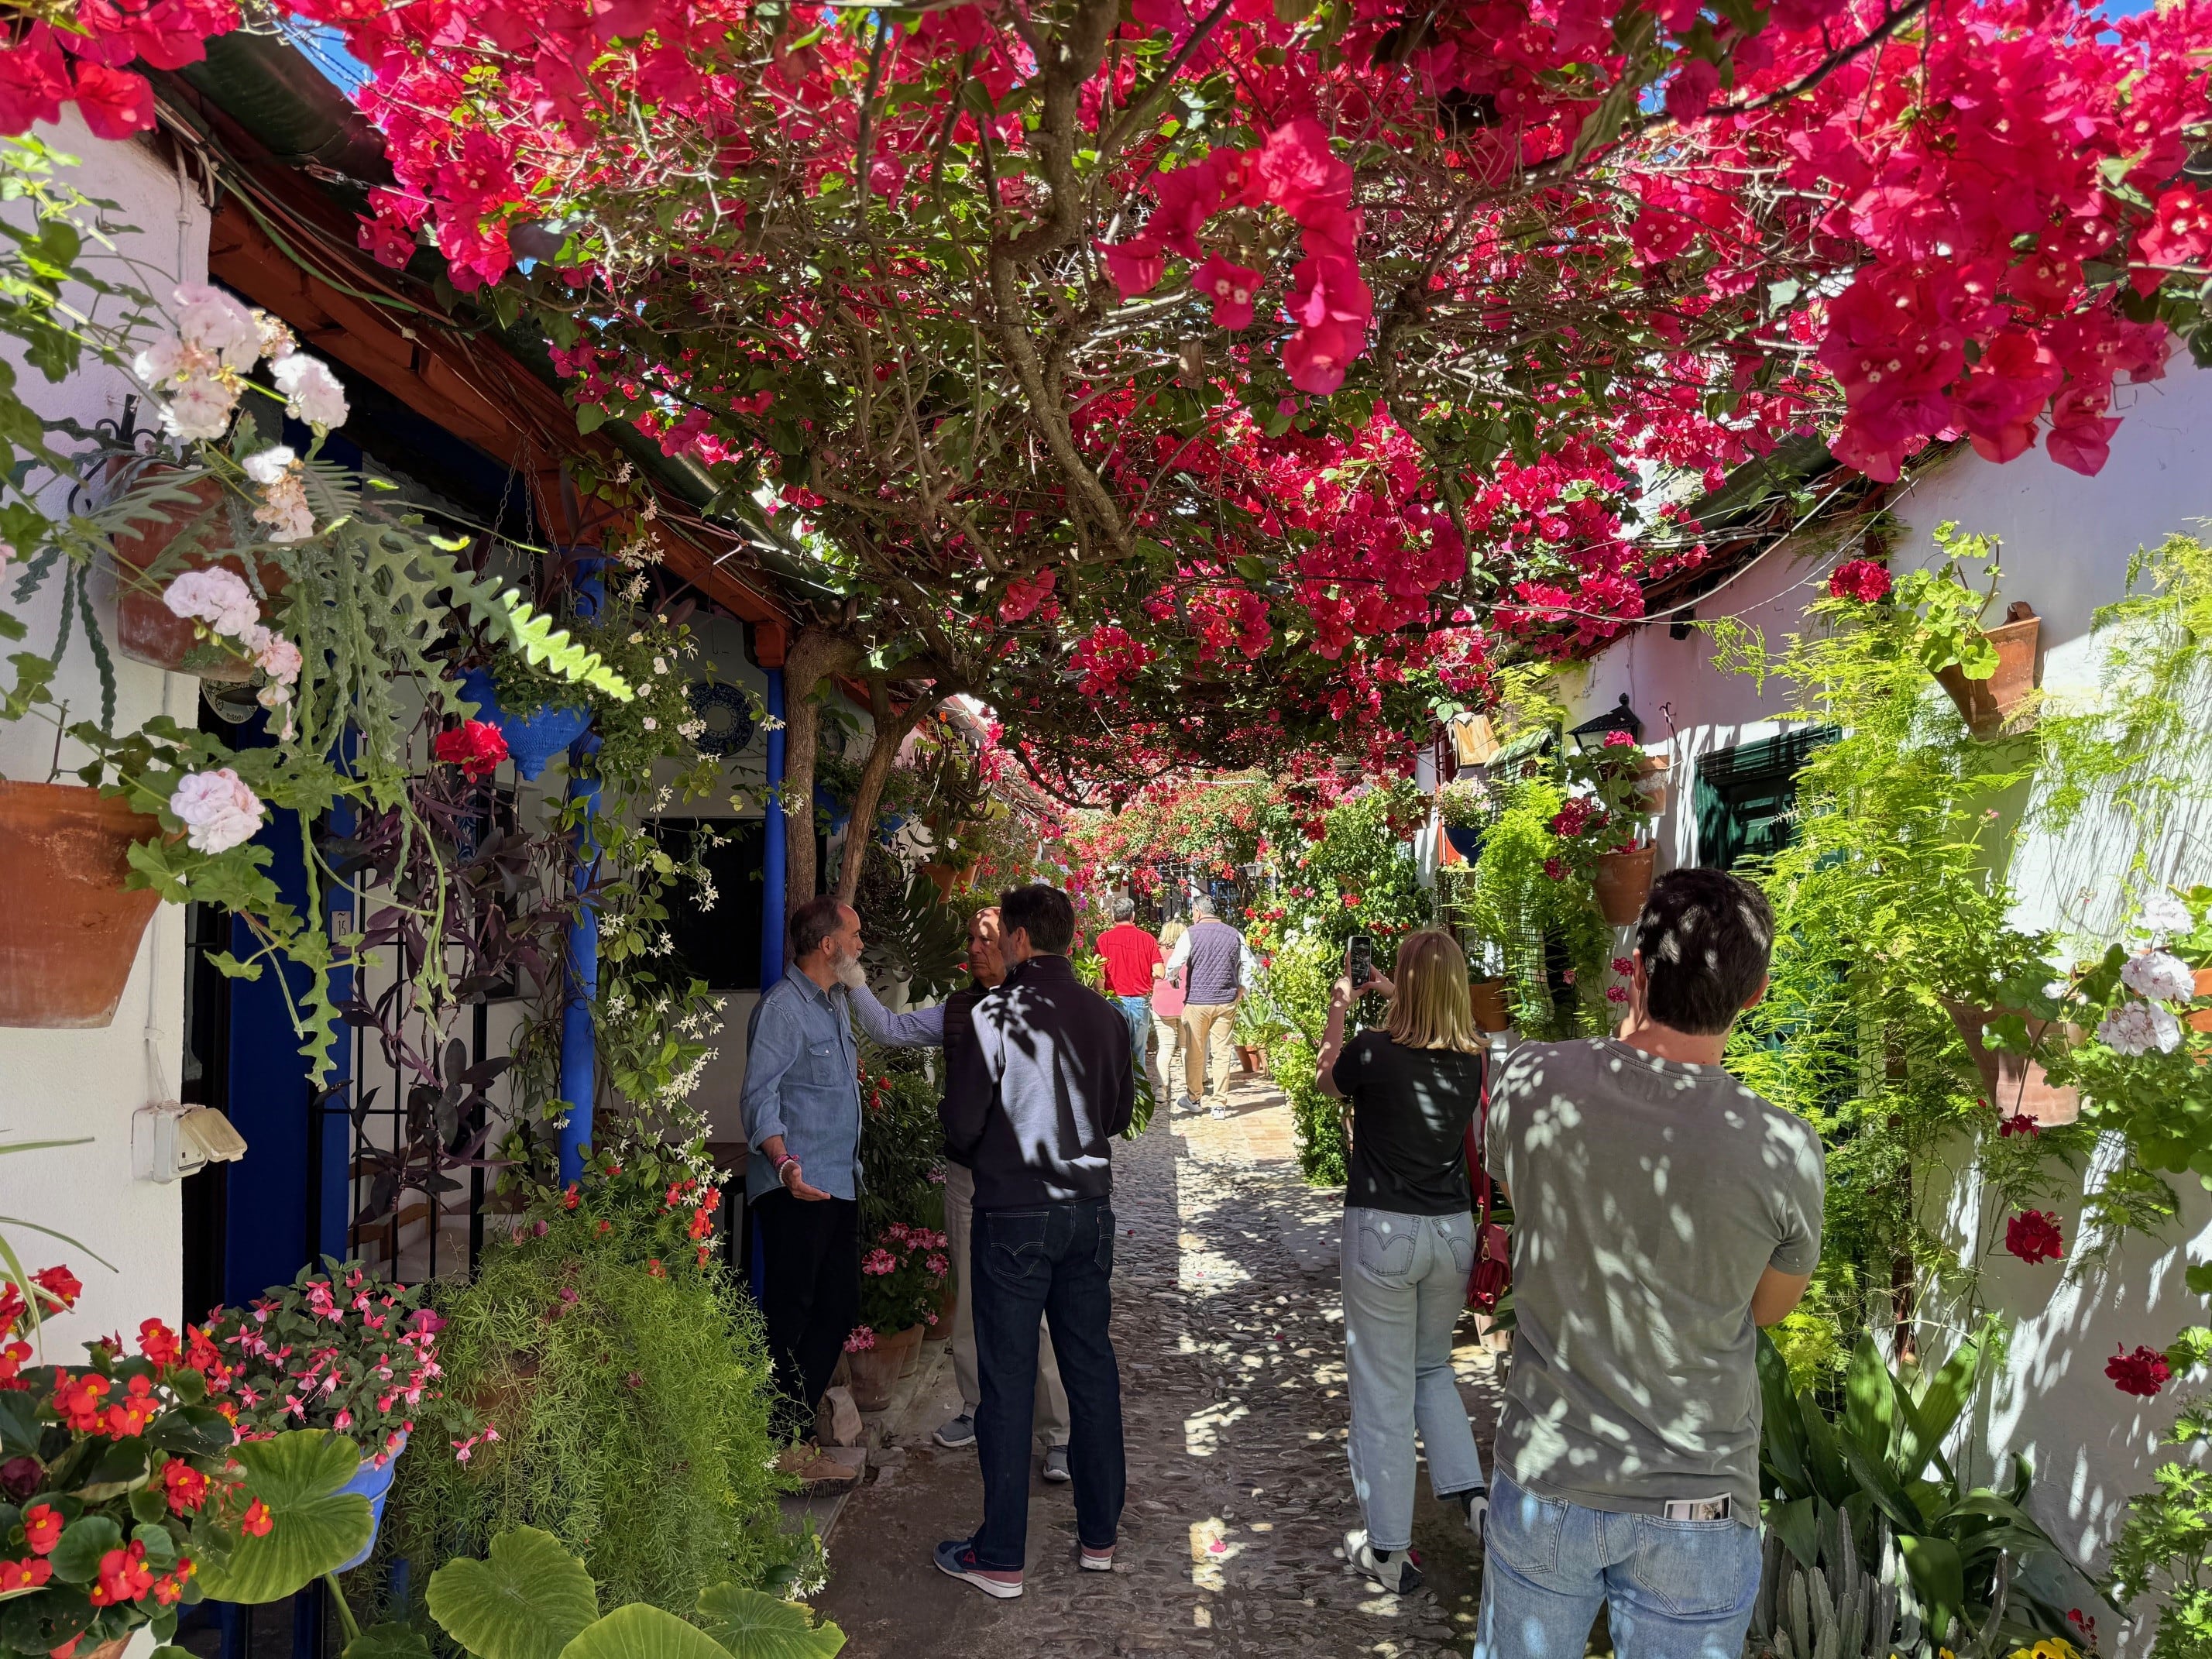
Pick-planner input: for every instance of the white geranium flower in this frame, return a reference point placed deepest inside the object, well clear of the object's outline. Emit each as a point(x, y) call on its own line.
point(2166, 915)
point(277, 340)
point(164, 361)
point(2137, 1028)
point(216, 596)
point(213, 322)
point(2160, 976)
point(312, 392)
point(200, 408)
point(217, 808)
point(270, 465)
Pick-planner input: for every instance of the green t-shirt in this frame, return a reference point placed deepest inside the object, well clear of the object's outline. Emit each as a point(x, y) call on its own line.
point(1648, 1198)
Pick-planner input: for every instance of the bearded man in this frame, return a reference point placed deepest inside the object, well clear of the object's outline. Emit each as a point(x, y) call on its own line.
point(802, 1116)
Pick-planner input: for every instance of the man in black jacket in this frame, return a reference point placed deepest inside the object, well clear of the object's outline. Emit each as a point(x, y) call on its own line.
point(1033, 1105)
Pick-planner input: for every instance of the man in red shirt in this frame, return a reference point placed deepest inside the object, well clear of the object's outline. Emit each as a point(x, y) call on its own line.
point(1133, 963)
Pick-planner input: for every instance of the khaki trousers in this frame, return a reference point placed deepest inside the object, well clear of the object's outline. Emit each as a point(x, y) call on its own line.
point(1166, 1057)
point(1209, 1035)
point(1051, 1419)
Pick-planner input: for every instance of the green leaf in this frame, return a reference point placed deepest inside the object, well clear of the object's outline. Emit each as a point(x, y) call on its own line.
point(1937, 1574)
point(1929, 1422)
point(76, 1557)
point(641, 1631)
point(1798, 1525)
point(1978, 657)
point(1870, 1402)
point(756, 1625)
point(529, 1600)
point(193, 1431)
point(2199, 1279)
point(314, 1525)
point(389, 1642)
point(19, 1424)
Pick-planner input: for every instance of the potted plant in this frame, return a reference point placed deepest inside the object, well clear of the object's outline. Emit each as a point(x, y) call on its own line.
point(125, 1498)
point(1609, 824)
point(1465, 807)
point(337, 1349)
point(1990, 673)
point(903, 1275)
point(70, 929)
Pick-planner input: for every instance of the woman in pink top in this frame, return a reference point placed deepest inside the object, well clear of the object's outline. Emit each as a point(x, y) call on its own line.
point(1167, 1020)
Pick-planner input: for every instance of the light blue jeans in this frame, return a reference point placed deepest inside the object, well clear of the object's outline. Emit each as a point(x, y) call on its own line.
point(1405, 1283)
point(1674, 1590)
point(1137, 1011)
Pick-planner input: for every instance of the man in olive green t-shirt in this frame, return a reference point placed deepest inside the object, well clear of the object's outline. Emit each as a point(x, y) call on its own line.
point(1662, 1212)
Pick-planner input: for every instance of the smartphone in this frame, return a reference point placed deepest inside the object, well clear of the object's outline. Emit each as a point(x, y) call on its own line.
point(1360, 960)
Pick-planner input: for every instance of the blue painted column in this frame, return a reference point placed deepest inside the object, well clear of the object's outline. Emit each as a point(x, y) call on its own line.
point(775, 850)
point(580, 1057)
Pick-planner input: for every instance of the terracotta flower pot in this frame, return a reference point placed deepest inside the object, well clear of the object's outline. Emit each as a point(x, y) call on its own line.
point(69, 932)
point(1488, 996)
point(1624, 882)
point(943, 876)
point(1652, 791)
point(1251, 1058)
point(2015, 1084)
point(908, 1346)
point(1988, 705)
point(146, 629)
point(2202, 1019)
point(875, 1373)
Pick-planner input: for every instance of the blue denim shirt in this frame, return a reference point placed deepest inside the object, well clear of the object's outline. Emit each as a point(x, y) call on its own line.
point(803, 1078)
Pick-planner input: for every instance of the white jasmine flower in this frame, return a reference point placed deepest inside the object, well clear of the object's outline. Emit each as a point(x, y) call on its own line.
point(2165, 914)
point(312, 392)
point(216, 596)
point(2137, 1028)
point(200, 408)
point(2160, 976)
point(217, 808)
point(215, 322)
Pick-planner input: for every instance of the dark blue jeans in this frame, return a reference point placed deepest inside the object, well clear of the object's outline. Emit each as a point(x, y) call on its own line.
point(1057, 1260)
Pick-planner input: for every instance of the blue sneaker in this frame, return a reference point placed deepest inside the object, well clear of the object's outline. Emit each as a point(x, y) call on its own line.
point(955, 1558)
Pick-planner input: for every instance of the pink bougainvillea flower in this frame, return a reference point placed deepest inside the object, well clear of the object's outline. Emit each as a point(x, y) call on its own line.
point(1231, 288)
point(115, 103)
point(1135, 266)
point(2033, 1236)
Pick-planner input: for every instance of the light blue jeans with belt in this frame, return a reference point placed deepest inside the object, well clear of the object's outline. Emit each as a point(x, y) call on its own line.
point(1405, 1283)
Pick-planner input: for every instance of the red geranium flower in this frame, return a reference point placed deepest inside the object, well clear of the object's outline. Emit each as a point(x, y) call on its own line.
point(2019, 1123)
point(1860, 579)
point(475, 747)
point(159, 1343)
point(2144, 1372)
point(42, 1528)
point(62, 1285)
point(257, 1521)
point(2033, 1235)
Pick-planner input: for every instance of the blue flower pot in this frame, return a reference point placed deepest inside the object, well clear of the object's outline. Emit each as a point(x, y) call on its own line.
point(1466, 840)
point(840, 814)
point(375, 1485)
point(532, 740)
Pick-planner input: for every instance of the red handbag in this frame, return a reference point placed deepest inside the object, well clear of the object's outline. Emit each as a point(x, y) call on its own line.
point(1493, 1274)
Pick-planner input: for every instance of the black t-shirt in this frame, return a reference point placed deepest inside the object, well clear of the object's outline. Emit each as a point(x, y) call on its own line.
point(1410, 1111)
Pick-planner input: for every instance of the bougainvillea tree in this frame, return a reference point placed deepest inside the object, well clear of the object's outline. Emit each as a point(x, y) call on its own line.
point(1185, 378)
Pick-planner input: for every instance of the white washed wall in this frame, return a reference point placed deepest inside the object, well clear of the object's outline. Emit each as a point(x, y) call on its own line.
point(65, 1084)
point(2066, 540)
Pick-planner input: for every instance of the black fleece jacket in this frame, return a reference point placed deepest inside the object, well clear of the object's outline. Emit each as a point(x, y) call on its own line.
point(1033, 1103)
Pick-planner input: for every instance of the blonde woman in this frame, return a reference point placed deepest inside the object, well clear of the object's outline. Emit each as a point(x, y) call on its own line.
point(1167, 1019)
point(1414, 1087)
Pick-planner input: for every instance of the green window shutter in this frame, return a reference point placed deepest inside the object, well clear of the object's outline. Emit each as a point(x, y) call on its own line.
point(1747, 796)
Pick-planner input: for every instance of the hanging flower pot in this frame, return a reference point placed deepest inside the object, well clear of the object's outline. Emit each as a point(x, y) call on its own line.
point(1488, 997)
point(532, 739)
point(2015, 1083)
point(69, 931)
point(146, 629)
point(943, 876)
point(1466, 840)
point(1988, 706)
point(1624, 882)
point(1651, 789)
point(2202, 1019)
point(374, 1482)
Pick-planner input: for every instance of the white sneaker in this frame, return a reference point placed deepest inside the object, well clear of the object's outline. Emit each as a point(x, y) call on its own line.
point(1398, 1571)
point(1218, 1111)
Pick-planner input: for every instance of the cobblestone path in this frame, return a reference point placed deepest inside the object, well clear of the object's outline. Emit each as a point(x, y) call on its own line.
point(1231, 1336)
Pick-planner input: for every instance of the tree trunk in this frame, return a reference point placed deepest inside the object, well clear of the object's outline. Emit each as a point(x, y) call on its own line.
point(890, 732)
point(815, 655)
